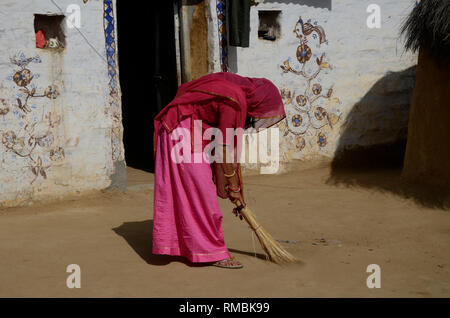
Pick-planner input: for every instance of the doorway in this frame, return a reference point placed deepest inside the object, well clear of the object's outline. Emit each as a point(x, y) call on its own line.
point(148, 73)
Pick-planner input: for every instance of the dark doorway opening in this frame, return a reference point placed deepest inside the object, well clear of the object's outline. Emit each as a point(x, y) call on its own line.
point(148, 73)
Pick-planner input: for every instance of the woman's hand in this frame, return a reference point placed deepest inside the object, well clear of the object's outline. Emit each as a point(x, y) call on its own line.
point(234, 196)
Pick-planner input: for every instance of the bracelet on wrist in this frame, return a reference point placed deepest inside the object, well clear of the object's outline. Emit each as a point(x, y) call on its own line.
point(230, 175)
point(233, 189)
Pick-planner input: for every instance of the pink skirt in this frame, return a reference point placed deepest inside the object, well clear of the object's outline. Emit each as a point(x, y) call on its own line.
point(187, 220)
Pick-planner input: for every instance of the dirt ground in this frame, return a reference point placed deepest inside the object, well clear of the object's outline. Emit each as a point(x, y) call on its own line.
point(335, 230)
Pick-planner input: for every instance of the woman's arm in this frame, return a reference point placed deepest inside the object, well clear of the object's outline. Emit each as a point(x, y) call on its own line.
point(220, 180)
point(232, 178)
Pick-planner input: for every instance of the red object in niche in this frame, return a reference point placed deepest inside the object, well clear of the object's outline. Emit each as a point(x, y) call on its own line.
point(40, 39)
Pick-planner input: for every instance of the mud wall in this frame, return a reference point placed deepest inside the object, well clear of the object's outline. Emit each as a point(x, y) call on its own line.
point(60, 122)
point(195, 17)
point(427, 157)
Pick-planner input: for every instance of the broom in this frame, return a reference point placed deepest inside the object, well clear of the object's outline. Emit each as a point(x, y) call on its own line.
point(274, 251)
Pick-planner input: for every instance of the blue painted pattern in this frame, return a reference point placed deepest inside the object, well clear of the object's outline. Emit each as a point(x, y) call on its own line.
point(113, 82)
point(223, 45)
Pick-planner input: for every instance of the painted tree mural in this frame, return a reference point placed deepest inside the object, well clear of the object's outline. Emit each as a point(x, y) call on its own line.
point(311, 110)
point(32, 139)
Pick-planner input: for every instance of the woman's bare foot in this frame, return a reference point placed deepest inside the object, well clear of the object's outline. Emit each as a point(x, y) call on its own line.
point(228, 263)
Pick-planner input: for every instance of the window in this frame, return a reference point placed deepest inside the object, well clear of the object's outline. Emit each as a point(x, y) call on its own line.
point(269, 25)
point(49, 31)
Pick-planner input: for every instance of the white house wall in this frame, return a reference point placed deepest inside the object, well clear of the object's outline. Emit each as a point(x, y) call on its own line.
point(68, 142)
point(365, 77)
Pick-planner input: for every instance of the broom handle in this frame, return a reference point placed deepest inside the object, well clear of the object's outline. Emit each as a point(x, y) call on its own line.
point(241, 206)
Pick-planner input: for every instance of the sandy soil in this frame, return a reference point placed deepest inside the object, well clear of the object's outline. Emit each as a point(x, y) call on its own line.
point(336, 231)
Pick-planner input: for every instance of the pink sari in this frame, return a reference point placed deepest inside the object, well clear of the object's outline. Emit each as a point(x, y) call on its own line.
point(187, 218)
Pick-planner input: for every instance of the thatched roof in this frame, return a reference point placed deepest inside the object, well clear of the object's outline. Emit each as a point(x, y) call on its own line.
point(429, 24)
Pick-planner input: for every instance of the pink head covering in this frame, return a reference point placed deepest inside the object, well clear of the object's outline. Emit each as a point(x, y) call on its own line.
point(264, 103)
point(257, 98)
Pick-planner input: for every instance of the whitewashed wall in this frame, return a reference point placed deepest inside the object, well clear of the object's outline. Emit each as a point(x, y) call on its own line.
point(370, 75)
point(62, 145)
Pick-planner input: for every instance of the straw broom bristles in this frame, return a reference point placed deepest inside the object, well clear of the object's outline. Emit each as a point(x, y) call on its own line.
point(274, 251)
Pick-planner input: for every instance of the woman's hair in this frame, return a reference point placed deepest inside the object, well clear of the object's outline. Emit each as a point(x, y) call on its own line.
point(249, 122)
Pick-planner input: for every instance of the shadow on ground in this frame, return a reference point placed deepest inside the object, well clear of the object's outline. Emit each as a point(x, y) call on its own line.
point(382, 114)
point(257, 255)
point(390, 181)
point(139, 235)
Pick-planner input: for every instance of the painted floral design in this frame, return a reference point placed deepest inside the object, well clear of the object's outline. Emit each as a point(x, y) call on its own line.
point(303, 53)
point(51, 92)
point(309, 111)
point(297, 120)
point(286, 96)
point(23, 77)
point(300, 143)
point(317, 89)
point(4, 108)
point(34, 139)
point(57, 154)
point(46, 140)
point(301, 100)
point(320, 113)
point(9, 139)
point(321, 139)
point(39, 169)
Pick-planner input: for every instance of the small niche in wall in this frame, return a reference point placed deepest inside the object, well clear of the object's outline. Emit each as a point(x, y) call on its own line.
point(49, 31)
point(269, 25)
